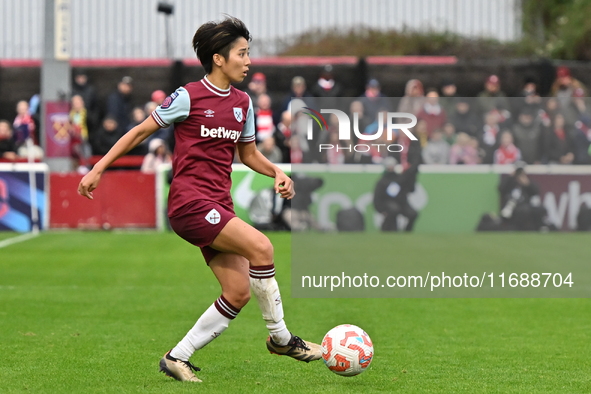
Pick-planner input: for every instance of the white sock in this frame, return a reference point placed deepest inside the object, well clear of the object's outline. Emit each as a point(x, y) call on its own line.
point(265, 288)
point(210, 325)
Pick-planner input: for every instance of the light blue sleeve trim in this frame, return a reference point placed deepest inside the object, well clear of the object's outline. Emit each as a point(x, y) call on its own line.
point(176, 112)
point(248, 130)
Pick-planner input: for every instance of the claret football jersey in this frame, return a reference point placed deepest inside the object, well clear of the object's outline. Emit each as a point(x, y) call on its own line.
point(208, 123)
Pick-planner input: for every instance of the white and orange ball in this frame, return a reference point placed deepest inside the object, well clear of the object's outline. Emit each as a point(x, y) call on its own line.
point(347, 350)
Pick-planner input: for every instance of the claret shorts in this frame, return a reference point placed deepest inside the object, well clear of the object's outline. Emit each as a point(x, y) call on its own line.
point(201, 223)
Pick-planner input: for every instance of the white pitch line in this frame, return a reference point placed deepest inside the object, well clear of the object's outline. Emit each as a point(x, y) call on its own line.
point(20, 238)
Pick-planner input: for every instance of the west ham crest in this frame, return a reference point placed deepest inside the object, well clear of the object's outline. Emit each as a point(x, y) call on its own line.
point(213, 216)
point(238, 114)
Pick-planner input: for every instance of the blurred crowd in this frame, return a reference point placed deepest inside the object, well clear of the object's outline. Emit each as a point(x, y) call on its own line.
point(487, 129)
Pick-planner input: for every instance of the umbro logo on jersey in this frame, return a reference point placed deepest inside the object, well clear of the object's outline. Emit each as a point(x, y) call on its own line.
point(213, 216)
point(209, 113)
point(220, 132)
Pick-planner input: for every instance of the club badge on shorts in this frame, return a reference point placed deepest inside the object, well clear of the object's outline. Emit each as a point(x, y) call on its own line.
point(213, 216)
point(238, 114)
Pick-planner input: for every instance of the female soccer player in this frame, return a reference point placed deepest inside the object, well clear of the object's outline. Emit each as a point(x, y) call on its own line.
point(210, 119)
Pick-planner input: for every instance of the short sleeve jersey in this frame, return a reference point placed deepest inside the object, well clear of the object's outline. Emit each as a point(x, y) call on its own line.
point(208, 123)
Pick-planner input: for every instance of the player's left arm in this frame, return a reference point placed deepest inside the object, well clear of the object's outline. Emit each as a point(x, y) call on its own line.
point(252, 158)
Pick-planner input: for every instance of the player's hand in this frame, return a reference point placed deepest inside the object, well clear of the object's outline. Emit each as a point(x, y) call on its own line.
point(284, 186)
point(88, 184)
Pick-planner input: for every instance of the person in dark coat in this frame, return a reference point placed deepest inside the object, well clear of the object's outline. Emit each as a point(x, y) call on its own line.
point(521, 204)
point(106, 136)
point(391, 195)
point(119, 104)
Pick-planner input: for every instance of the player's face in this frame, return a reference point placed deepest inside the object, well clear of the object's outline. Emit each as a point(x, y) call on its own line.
point(236, 67)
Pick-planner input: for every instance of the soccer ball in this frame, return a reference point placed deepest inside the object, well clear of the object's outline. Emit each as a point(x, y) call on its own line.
point(347, 350)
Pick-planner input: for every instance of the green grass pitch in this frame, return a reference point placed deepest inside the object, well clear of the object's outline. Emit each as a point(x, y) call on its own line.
point(93, 312)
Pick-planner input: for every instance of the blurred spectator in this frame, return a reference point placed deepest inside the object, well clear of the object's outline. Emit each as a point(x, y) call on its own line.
point(78, 117)
point(380, 121)
point(23, 125)
point(158, 96)
point(413, 99)
point(325, 87)
point(296, 153)
point(137, 116)
point(391, 195)
point(256, 87)
point(528, 136)
point(337, 156)
point(35, 112)
point(507, 153)
point(576, 109)
point(373, 99)
point(149, 107)
point(411, 154)
point(106, 136)
point(84, 89)
point(437, 149)
point(448, 96)
point(465, 119)
point(579, 101)
point(119, 102)
point(551, 108)
point(558, 142)
point(464, 151)
point(79, 134)
point(300, 146)
point(7, 146)
point(530, 88)
point(298, 90)
point(283, 135)
point(489, 136)
point(492, 96)
point(421, 132)
point(521, 204)
point(432, 113)
point(270, 150)
point(373, 155)
point(530, 96)
point(363, 120)
point(377, 151)
point(329, 156)
point(565, 85)
point(582, 138)
point(264, 118)
point(158, 154)
point(449, 133)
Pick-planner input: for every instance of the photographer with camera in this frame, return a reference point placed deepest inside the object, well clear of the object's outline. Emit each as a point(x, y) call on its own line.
point(391, 194)
point(521, 204)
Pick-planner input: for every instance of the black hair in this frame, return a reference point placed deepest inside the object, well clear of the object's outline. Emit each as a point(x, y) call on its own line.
point(218, 37)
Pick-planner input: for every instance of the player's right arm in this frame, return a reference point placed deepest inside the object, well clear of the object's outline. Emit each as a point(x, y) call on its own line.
point(175, 108)
point(126, 143)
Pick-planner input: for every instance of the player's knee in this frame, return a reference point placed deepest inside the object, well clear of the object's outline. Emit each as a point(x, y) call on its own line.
point(239, 298)
point(263, 251)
